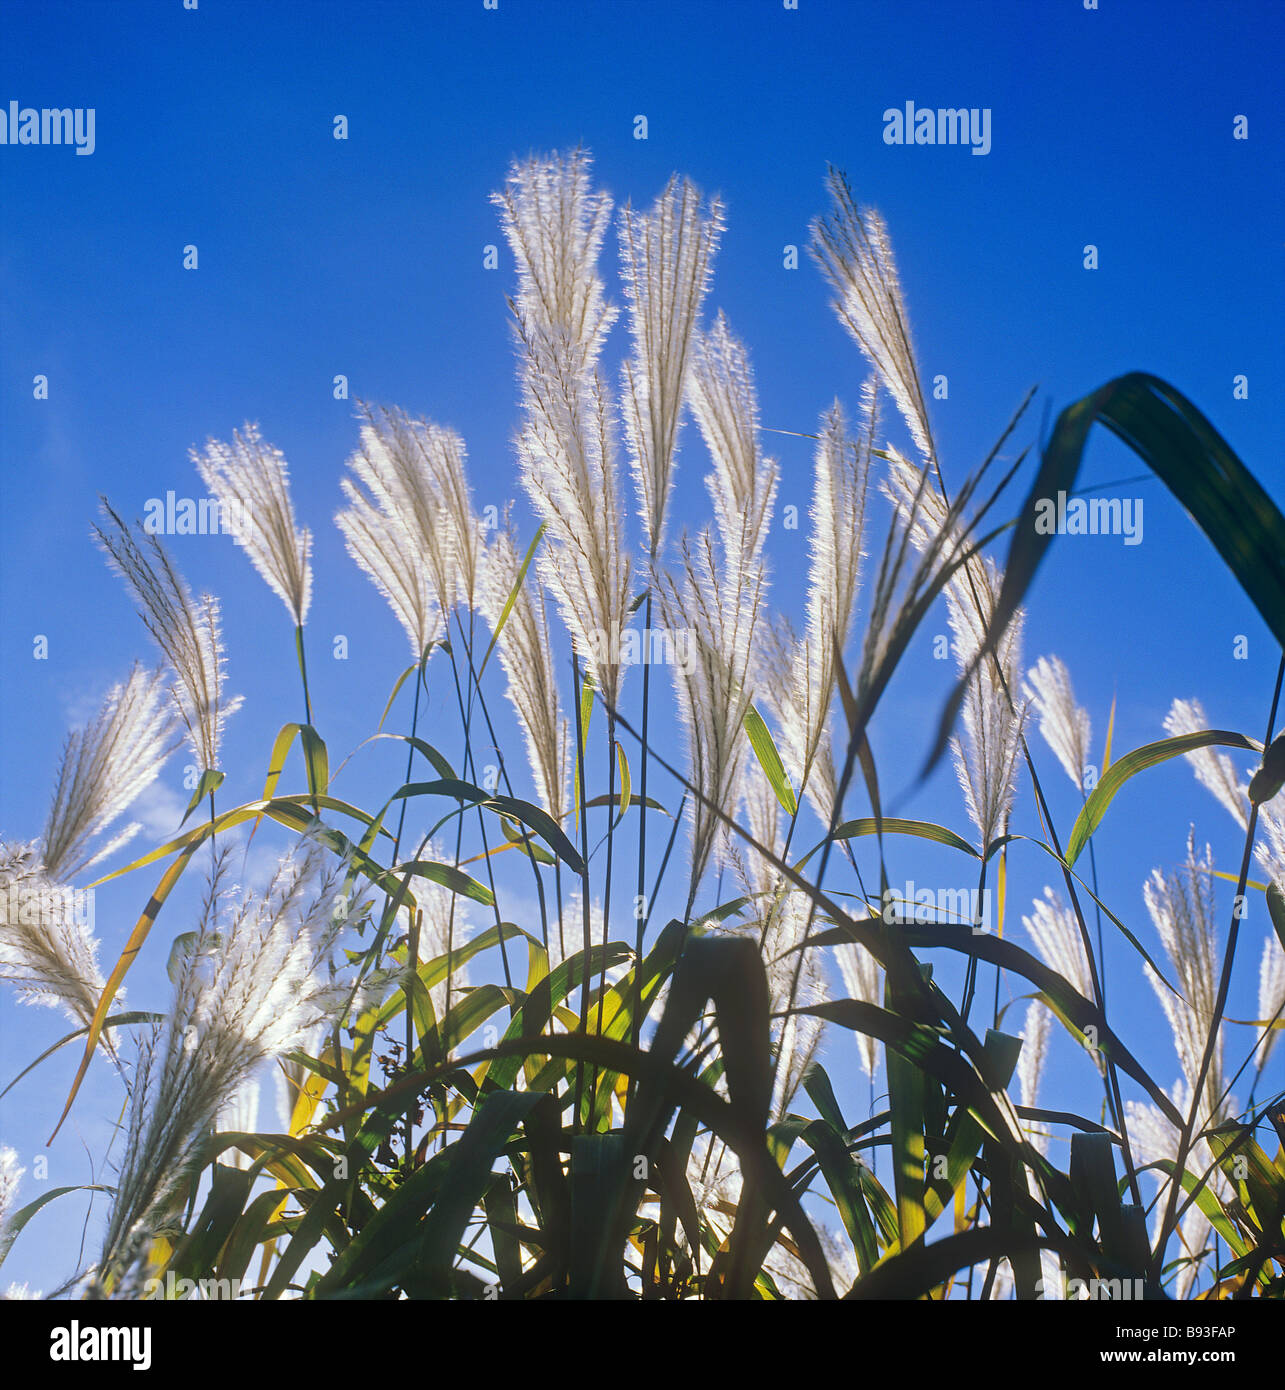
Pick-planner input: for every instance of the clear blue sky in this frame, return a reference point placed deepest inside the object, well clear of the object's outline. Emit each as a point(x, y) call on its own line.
point(365, 257)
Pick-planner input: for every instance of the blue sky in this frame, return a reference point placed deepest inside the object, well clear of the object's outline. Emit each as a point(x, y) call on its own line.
point(364, 257)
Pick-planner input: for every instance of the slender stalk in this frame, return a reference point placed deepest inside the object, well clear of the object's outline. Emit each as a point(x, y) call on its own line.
point(999, 926)
point(970, 980)
point(303, 672)
point(586, 923)
point(508, 786)
point(606, 892)
point(1097, 913)
point(642, 905)
point(412, 940)
point(470, 766)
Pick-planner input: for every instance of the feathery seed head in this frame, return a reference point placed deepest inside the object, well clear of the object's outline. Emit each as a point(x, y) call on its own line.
point(863, 981)
point(526, 654)
point(47, 949)
point(853, 251)
point(104, 767)
point(254, 980)
point(665, 255)
point(1271, 991)
point(986, 758)
point(413, 471)
point(555, 222)
point(1030, 1063)
point(187, 631)
point(250, 479)
point(801, 678)
point(1056, 934)
point(1270, 850)
point(720, 593)
point(567, 446)
point(1064, 724)
point(383, 548)
point(11, 1172)
point(1181, 906)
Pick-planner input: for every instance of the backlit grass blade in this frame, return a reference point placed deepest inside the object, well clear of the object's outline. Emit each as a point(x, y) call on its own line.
point(316, 762)
point(915, 1273)
point(1149, 755)
point(449, 877)
point(841, 1171)
point(1276, 911)
point(1270, 777)
point(893, 825)
point(439, 762)
point(1080, 1012)
point(764, 746)
point(1106, 747)
point(397, 685)
point(540, 821)
point(966, 1135)
point(906, 1101)
point(625, 784)
point(211, 781)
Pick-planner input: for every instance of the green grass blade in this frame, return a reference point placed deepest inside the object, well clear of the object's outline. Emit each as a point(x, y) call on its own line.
point(1149, 755)
point(764, 746)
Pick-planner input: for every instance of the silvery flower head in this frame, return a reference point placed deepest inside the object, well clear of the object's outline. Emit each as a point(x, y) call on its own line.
point(251, 481)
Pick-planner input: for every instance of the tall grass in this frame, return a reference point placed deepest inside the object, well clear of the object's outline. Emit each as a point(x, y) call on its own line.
point(504, 1074)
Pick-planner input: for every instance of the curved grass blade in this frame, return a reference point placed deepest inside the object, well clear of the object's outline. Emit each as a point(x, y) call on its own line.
point(764, 746)
point(1269, 778)
point(1149, 755)
point(513, 595)
point(19, 1219)
point(211, 781)
point(892, 825)
point(1070, 1005)
point(1194, 462)
point(132, 947)
point(116, 1021)
point(915, 1273)
point(625, 784)
point(449, 877)
point(437, 760)
point(287, 810)
point(539, 821)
